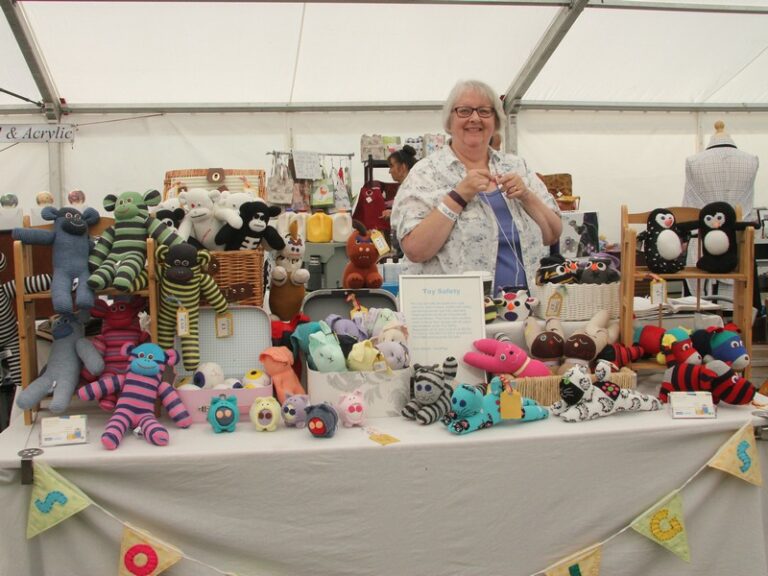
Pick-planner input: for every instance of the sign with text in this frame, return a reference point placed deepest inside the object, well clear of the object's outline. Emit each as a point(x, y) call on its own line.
point(444, 316)
point(37, 133)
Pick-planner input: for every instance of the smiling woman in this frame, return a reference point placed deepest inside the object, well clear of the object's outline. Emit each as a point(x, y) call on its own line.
point(468, 207)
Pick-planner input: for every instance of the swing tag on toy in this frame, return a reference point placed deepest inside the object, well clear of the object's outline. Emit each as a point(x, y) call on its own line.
point(658, 291)
point(380, 437)
point(224, 325)
point(555, 303)
point(511, 407)
point(378, 240)
point(182, 321)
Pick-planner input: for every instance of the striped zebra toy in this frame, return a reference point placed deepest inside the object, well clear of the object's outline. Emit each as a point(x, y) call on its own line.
point(120, 254)
point(431, 391)
point(182, 281)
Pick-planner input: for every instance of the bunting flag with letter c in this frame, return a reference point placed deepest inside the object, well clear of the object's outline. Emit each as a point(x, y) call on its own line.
point(145, 555)
point(583, 563)
point(53, 500)
point(663, 523)
point(739, 456)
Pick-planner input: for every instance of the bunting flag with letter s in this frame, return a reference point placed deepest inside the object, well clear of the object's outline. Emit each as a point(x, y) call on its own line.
point(663, 523)
point(583, 563)
point(145, 555)
point(739, 456)
point(53, 500)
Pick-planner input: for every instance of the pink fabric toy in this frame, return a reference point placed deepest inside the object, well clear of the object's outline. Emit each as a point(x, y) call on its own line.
point(352, 409)
point(504, 358)
point(277, 362)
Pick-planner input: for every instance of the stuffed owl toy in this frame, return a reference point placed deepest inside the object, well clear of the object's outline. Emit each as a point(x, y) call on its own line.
point(599, 271)
point(351, 409)
point(265, 414)
point(555, 269)
point(431, 391)
point(295, 410)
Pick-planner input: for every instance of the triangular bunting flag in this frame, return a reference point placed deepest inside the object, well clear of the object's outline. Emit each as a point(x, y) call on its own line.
point(143, 554)
point(584, 563)
point(739, 456)
point(53, 500)
point(663, 523)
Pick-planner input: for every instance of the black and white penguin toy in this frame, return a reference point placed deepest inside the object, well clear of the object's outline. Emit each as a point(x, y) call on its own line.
point(664, 242)
point(717, 231)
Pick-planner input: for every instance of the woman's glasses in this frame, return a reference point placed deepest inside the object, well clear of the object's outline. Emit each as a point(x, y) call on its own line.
point(466, 111)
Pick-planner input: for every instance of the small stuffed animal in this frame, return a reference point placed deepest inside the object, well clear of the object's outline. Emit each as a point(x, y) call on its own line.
point(277, 362)
point(228, 207)
point(255, 379)
point(582, 346)
point(555, 269)
point(254, 229)
point(139, 389)
point(717, 232)
point(289, 279)
point(208, 375)
point(721, 344)
point(581, 400)
point(715, 376)
point(71, 246)
point(171, 217)
point(361, 270)
point(599, 271)
point(223, 413)
point(322, 420)
point(118, 259)
point(545, 344)
point(393, 331)
point(516, 306)
point(325, 350)
point(395, 354)
point(431, 391)
point(351, 409)
point(265, 414)
point(295, 410)
point(364, 357)
point(664, 243)
point(201, 221)
point(504, 358)
point(62, 373)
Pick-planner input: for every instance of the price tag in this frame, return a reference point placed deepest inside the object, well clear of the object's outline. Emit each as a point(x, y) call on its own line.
point(182, 321)
point(379, 242)
point(511, 407)
point(224, 325)
point(658, 293)
point(554, 304)
point(380, 366)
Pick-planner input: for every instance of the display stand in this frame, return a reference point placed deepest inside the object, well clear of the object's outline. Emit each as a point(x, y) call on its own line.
point(631, 273)
point(25, 303)
point(333, 257)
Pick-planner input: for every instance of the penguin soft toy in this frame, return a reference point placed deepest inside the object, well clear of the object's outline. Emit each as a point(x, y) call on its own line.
point(717, 231)
point(664, 242)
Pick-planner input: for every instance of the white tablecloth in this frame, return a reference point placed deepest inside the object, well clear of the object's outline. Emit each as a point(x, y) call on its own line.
point(505, 501)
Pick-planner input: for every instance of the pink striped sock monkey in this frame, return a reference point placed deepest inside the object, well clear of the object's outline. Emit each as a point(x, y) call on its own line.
point(139, 388)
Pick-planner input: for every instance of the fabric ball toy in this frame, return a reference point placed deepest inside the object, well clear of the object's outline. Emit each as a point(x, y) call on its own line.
point(295, 410)
point(715, 377)
point(208, 375)
point(504, 358)
point(322, 420)
point(395, 354)
point(61, 376)
point(582, 400)
point(255, 379)
point(71, 247)
point(516, 306)
point(119, 257)
point(325, 351)
point(201, 221)
point(288, 279)
point(364, 357)
point(717, 232)
point(223, 413)
point(431, 391)
point(265, 414)
point(254, 229)
point(599, 271)
point(277, 361)
point(361, 270)
point(139, 389)
point(664, 243)
point(547, 343)
point(555, 269)
point(351, 409)
point(720, 344)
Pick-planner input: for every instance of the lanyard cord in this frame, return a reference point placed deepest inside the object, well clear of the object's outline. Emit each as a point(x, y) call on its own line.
point(506, 238)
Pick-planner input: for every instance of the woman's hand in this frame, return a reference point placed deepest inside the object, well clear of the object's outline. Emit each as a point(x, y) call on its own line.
point(476, 180)
point(513, 186)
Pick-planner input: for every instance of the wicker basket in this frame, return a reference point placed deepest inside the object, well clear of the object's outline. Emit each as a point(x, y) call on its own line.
point(546, 389)
point(240, 275)
point(204, 178)
point(561, 187)
point(580, 301)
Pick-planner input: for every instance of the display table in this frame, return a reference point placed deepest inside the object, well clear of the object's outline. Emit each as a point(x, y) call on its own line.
point(505, 501)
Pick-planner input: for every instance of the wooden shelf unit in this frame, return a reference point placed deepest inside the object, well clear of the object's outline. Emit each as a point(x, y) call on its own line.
point(25, 303)
point(631, 273)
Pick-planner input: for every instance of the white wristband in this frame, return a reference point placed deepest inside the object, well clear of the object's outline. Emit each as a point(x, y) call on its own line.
point(447, 212)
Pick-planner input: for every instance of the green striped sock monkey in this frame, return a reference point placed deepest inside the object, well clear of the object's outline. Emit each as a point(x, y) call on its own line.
point(182, 282)
point(119, 256)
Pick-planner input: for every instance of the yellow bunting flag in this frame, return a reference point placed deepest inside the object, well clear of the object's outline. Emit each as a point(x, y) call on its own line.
point(584, 563)
point(663, 523)
point(739, 456)
point(144, 555)
point(53, 500)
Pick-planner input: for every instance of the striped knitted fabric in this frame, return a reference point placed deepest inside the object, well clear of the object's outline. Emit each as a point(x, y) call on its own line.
point(431, 392)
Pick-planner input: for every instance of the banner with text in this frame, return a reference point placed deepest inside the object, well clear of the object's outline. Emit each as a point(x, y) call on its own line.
point(37, 133)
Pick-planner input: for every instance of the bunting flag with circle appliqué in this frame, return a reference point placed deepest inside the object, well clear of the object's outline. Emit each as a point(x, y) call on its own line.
point(53, 500)
point(145, 555)
point(663, 523)
point(583, 563)
point(739, 456)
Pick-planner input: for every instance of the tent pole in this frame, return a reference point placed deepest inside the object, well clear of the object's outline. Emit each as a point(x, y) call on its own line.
point(54, 172)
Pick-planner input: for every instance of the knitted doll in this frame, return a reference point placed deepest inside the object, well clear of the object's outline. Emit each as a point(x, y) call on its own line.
point(139, 389)
point(120, 254)
point(431, 391)
point(289, 279)
point(182, 283)
point(9, 328)
point(62, 373)
point(71, 245)
point(254, 230)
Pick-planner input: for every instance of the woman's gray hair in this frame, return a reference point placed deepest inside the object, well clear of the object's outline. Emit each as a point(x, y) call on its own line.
point(461, 88)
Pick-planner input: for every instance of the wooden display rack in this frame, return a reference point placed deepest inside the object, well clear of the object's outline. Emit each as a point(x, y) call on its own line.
point(25, 303)
point(632, 273)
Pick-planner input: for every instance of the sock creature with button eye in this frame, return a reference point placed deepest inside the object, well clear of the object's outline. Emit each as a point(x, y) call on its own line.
point(717, 231)
point(664, 243)
point(431, 391)
point(254, 230)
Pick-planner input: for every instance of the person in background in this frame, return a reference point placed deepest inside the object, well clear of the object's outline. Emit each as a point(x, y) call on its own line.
point(468, 207)
point(400, 163)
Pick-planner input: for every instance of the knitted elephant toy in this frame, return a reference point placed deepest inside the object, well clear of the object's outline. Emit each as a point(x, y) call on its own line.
point(62, 373)
point(71, 246)
point(139, 389)
point(431, 391)
point(120, 253)
point(182, 283)
point(10, 366)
